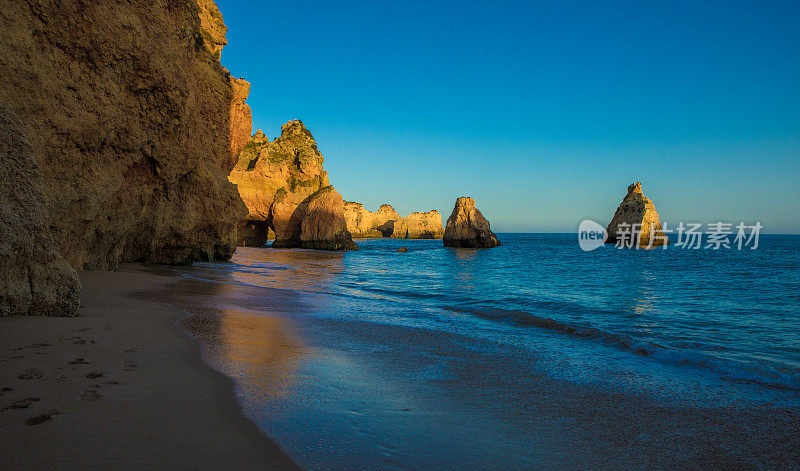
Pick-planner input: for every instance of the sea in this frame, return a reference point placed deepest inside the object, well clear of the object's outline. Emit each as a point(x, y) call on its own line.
point(535, 354)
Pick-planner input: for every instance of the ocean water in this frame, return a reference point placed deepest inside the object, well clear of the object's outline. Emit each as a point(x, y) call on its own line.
point(382, 360)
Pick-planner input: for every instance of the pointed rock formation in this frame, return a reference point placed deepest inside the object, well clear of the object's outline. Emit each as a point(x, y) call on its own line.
point(427, 225)
point(274, 177)
point(636, 214)
point(316, 223)
point(34, 278)
point(132, 122)
point(466, 227)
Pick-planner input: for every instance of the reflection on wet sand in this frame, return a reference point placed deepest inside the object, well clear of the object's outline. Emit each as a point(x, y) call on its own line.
point(257, 348)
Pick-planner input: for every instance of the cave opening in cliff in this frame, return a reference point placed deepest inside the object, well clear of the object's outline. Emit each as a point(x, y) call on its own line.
point(255, 234)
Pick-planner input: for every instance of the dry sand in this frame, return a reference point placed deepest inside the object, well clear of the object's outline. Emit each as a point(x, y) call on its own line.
point(119, 387)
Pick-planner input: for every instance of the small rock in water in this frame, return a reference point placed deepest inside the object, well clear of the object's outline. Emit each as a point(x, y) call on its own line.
point(403, 249)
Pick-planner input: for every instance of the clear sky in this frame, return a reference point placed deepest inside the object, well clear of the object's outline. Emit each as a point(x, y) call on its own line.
point(544, 112)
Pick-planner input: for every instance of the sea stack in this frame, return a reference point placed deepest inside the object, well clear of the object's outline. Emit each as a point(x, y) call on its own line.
point(418, 225)
point(466, 227)
point(385, 222)
point(365, 224)
point(636, 213)
point(273, 178)
point(316, 223)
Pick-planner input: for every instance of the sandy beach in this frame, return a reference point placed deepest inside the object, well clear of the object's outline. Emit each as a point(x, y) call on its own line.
point(119, 387)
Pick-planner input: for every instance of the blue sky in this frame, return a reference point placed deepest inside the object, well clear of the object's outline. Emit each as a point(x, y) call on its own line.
point(544, 112)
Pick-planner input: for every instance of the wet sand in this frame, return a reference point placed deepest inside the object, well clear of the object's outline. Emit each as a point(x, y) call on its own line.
point(119, 387)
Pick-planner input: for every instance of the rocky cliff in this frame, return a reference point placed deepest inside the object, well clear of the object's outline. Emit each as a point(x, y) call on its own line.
point(466, 227)
point(274, 177)
point(316, 223)
point(636, 216)
point(386, 222)
point(34, 278)
point(132, 121)
point(427, 225)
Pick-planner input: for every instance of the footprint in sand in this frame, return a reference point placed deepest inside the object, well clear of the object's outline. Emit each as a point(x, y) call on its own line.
point(42, 417)
point(33, 345)
point(91, 395)
point(22, 404)
point(130, 350)
point(83, 330)
point(130, 365)
point(78, 361)
point(32, 373)
point(16, 357)
point(95, 374)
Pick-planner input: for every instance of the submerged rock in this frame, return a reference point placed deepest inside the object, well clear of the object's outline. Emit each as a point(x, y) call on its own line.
point(34, 278)
point(636, 215)
point(132, 122)
point(402, 249)
point(466, 227)
point(316, 223)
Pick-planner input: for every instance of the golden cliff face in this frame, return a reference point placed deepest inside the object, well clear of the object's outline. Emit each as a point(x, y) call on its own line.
point(366, 224)
point(133, 123)
point(419, 225)
point(129, 126)
point(386, 222)
point(274, 177)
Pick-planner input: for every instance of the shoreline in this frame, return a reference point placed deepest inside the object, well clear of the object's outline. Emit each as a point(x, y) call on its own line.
point(388, 395)
point(120, 385)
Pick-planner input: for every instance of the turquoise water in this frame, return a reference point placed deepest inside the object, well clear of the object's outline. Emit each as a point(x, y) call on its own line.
point(533, 354)
point(729, 314)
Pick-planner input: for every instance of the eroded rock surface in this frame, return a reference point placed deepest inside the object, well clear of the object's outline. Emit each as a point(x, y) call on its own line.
point(386, 222)
point(132, 122)
point(34, 278)
point(636, 216)
point(427, 225)
point(274, 177)
point(363, 223)
point(316, 223)
point(466, 227)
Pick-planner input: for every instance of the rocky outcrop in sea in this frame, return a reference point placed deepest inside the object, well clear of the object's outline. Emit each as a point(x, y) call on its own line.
point(636, 221)
point(386, 222)
point(466, 227)
point(365, 224)
point(274, 178)
point(419, 225)
point(316, 223)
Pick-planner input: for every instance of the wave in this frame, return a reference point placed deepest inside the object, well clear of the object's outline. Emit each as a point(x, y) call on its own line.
point(729, 369)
